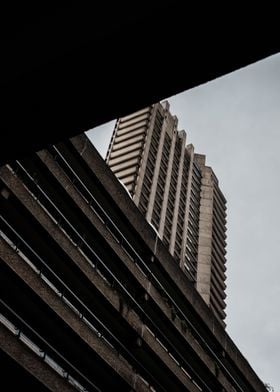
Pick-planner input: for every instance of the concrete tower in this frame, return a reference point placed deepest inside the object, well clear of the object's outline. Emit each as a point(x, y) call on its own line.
point(178, 194)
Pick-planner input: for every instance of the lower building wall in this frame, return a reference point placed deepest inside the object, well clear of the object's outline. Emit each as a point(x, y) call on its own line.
point(85, 279)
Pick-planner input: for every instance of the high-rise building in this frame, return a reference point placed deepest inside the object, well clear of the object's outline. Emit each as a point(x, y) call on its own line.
point(178, 194)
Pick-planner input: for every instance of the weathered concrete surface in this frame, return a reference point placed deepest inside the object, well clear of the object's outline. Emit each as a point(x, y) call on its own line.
point(32, 363)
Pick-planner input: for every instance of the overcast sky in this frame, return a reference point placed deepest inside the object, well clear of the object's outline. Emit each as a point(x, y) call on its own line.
point(235, 121)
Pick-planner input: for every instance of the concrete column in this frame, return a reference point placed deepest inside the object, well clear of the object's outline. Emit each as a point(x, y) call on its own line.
point(145, 154)
point(156, 173)
point(168, 179)
point(182, 135)
point(203, 283)
point(114, 134)
point(190, 152)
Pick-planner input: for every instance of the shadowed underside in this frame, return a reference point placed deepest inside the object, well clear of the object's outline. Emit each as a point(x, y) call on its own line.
point(66, 69)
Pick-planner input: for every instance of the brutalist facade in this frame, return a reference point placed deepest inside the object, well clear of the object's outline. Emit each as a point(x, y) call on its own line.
point(177, 193)
point(91, 299)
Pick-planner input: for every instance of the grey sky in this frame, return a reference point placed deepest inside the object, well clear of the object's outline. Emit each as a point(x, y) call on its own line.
point(235, 121)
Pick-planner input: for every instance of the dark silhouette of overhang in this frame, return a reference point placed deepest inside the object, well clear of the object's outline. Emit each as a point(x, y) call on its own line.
point(66, 69)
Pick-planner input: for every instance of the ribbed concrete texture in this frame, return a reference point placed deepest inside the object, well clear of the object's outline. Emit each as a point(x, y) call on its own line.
point(91, 298)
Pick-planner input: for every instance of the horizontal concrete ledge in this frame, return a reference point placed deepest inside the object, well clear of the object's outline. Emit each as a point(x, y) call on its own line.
point(112, 186)
point(106, 352)
point(110, 294)
point(34, 365)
